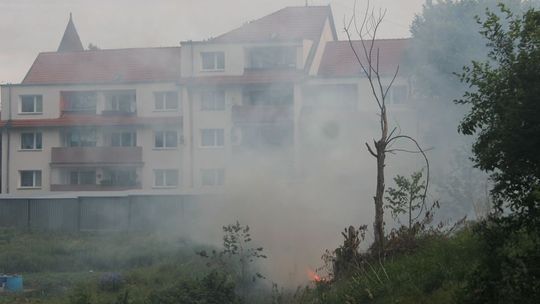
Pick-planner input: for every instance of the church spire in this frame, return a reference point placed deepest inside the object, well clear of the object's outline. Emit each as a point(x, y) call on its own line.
point(70, 41)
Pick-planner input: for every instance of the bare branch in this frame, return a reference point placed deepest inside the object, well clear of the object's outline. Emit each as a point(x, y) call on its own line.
point(422, 151)
point(370, 150)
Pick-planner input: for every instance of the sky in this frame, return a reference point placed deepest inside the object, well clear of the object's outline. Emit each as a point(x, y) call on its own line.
point(32, 26)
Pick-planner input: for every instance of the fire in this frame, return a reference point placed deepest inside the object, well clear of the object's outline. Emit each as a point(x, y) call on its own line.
point(313, 276)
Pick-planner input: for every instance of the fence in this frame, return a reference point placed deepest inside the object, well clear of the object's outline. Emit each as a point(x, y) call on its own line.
point(94, 213)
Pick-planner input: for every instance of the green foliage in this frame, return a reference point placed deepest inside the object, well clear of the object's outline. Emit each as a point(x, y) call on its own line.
point(346, 258)
point(64, 252)
point(433, 273)
point(215, 288)
point(237, 256)
point(407, 197)
point(81, 295)
point(505, 112)
point(509, 268)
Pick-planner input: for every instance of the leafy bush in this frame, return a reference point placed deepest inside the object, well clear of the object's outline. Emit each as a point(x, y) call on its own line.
point(215, 288)
point(509, 267)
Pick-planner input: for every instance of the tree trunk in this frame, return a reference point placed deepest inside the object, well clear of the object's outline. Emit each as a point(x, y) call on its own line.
point(380, 146)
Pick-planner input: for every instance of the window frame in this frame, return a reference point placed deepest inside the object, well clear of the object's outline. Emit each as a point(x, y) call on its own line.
point(215, 61)
point(164, 139)
point(36, 99)
point(114, 101)
point(34, 141)
point(81, 175)
point(216, 176)
point(216, 138)
point(214, 104)
point(162, 97)
point(83, 134)
point(35, 179)
point(165, 179)
point(120, 134)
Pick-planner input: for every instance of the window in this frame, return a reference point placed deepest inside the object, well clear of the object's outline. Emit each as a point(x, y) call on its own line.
point(31, 104)
point(80, 138)
point(124, 139)
point(124, 101)
point(272, 57)
point(397, 94)
point(212, 137)
point(31, 141)
point(125, 177)
point(166, 139)
point(213, 100)
point(166, 178)
point(30, 178)
point(213, 61)
point(166, 101)
point(80, 102)
point(268, 95)
point(82, 177)
point(212, 177)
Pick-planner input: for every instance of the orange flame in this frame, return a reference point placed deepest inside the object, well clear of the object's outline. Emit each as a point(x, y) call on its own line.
point(313, 276)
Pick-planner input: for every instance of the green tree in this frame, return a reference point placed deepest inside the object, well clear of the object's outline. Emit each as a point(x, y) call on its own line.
point(505, 119)
point(445, 37)
point(505, 110)
point(407, 197)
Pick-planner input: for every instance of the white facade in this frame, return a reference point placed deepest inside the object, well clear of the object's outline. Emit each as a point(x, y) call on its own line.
point(233, 109)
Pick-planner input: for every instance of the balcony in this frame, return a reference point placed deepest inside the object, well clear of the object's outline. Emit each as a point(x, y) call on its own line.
point(262, 114)
point(67, 187)
point(118, 113)
point(88, 156)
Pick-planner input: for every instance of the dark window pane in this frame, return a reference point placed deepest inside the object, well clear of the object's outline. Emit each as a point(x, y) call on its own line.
point(159, 140)
point(159, 96)
point(220, 141)
point(220, 60)
point(171, 102)
point(171, 177)
point(37, 178)
point(27, 178)
point(159, 176)
point(27, 141)
point(39, 143)
point(87, 177)
point(207, 61)
point(171, 139)
point(27, 104)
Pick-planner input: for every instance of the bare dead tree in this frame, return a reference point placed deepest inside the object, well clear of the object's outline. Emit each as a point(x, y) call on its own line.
point(366, 31)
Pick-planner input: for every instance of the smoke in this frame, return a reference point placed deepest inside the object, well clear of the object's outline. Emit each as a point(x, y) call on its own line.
point(296, 200)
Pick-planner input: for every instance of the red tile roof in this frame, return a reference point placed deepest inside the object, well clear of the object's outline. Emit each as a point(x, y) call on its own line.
point(288, 24)
point(92, 120)
point(106, 66)
point(339, 60)
point(249, 77)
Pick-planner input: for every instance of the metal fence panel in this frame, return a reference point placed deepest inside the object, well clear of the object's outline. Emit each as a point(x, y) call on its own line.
point(14, 213)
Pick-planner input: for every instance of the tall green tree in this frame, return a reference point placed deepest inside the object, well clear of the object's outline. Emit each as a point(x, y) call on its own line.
point(445, 37)
point(504, 100)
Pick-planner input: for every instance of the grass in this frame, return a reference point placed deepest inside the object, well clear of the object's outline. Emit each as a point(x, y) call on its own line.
point(69, 268)
point(53, 265)
point(434, 273)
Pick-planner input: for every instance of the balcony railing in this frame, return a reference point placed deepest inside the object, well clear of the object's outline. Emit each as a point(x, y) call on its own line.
point(262, 114)
point(67, 187)
point(96, 155)
point(118, 113)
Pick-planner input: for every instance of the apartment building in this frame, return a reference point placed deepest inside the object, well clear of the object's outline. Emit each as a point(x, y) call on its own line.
point(183, 119)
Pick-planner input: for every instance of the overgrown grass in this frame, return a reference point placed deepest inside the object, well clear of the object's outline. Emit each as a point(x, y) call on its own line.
point(53, 264)
point(434, 273)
